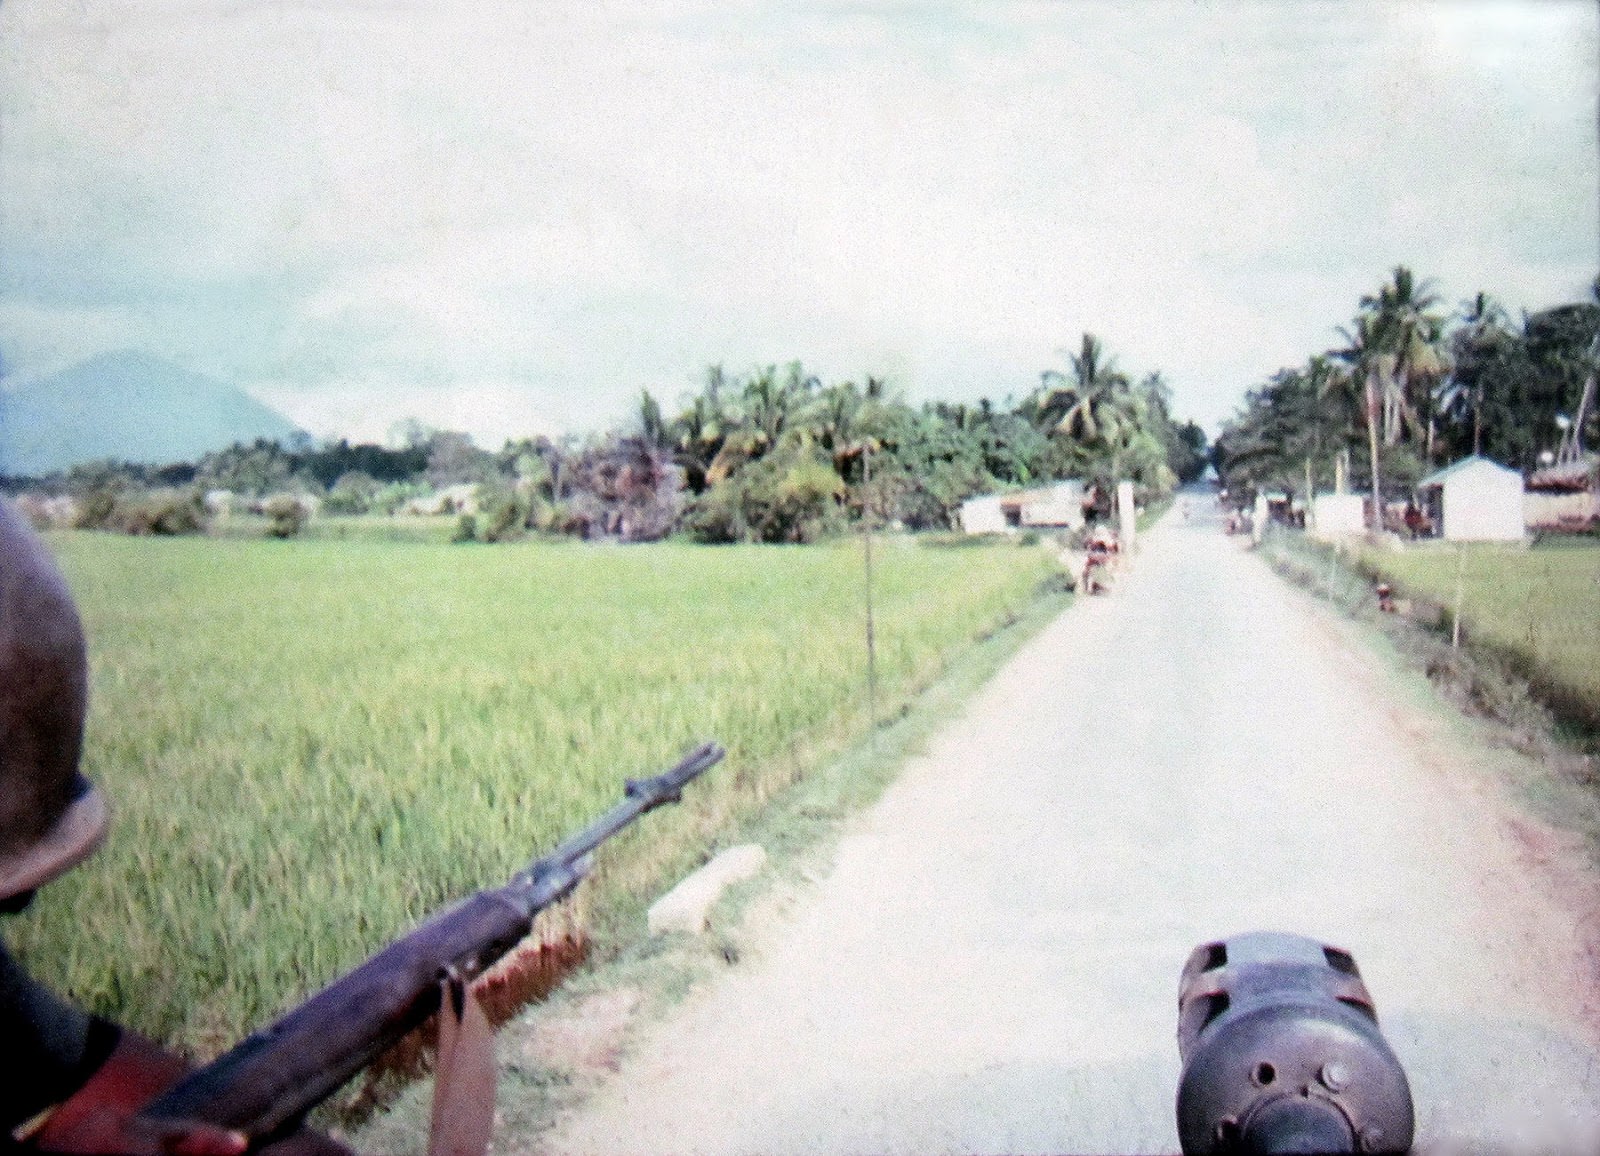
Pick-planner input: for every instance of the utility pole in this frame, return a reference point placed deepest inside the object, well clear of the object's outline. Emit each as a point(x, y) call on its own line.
point(866, 541)
point(1373, 409)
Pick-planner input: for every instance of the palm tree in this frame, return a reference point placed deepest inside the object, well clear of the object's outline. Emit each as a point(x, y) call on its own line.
point(1394, 351)
point(1082, 405)
point(1474, 347)
point(769, 409)
point(698, 433)
point(652, 427)
point(1366, 361)
point(836, 421)
point(1410, 336)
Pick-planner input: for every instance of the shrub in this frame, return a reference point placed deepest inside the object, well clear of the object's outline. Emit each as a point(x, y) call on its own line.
point(466, 529)
point(559, 518)
point(717, 514)
point(506, 514)
point(781, 498)
point(172, 512)
point(94, 513)
point(353, 493)
point(625, 489)
point(165, 512)
point(286, 515)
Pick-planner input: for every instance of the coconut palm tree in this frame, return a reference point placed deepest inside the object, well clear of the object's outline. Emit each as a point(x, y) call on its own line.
point(1475, 348)
point(1081, 405)
point(697, 434)
point(1410, 338)
point(1367, 373)
point(1394, 351)
point(770, 408)
point(835, 420)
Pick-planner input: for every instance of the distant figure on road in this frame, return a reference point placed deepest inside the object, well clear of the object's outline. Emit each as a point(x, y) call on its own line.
point(1102, 548)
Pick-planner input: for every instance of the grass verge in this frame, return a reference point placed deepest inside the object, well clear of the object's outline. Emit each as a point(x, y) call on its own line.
point(1151, 514)
point(1535, 611)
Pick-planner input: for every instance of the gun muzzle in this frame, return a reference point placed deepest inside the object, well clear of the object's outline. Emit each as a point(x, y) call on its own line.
point(1282, 1054)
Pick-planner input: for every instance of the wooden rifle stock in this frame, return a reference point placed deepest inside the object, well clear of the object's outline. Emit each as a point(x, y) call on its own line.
point(268, 1081)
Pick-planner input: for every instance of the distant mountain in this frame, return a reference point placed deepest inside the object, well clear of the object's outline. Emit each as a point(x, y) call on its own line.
point(129, 406)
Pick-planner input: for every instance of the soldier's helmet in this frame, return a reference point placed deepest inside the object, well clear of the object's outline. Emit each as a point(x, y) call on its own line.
point(51, 818)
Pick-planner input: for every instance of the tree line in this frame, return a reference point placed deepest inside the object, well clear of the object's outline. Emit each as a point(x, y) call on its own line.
point(1413, 387)
point(769, 455)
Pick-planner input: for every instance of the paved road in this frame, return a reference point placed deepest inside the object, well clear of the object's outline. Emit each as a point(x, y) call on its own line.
point(991, 966)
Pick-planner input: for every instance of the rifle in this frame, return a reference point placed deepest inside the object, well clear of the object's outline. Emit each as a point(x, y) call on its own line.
point(266, 1084)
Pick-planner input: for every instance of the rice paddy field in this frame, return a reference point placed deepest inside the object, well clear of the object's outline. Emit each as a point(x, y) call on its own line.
point(1539, 608)
point(310, 745)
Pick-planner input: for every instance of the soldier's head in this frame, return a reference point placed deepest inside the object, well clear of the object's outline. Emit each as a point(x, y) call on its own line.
point(51, 818)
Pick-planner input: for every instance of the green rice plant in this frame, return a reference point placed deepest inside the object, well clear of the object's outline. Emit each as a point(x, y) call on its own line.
point(311, 744)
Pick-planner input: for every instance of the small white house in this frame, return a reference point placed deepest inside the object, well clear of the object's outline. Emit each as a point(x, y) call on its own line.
point(1058, 505)
point(983, 515)
point(1050, 507)
point(1474, 500)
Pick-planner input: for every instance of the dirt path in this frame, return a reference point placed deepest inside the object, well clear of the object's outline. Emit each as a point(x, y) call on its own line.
point(992, 964)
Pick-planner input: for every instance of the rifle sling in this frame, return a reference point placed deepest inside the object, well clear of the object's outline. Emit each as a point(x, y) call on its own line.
point(464, 1078)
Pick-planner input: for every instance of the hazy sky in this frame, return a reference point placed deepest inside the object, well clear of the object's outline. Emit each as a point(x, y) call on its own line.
point(509, 218)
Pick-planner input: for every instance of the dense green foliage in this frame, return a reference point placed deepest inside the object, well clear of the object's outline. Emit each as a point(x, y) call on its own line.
point(1412, 389)
point(770, 456)
point(780, 457)
point(311, 744)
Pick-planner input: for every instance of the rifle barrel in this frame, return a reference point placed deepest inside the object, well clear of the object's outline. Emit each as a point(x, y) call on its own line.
point(639, 796)
point(268, 1081)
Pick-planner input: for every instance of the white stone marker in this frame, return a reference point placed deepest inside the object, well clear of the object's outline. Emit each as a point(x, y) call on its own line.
point(687, 907)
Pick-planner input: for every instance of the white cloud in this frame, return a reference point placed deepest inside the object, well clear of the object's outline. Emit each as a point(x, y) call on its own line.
point(491, 412)
point(577, 201)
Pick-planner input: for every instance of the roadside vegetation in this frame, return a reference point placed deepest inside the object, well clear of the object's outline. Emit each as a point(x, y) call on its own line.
point(1529, 630)
point(311, 746)
point(1414, 386)
point(1535, 611)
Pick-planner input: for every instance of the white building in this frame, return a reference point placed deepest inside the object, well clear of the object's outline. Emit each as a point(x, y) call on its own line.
point(1474, 500)
point(983, 516)
point(1057, 506)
